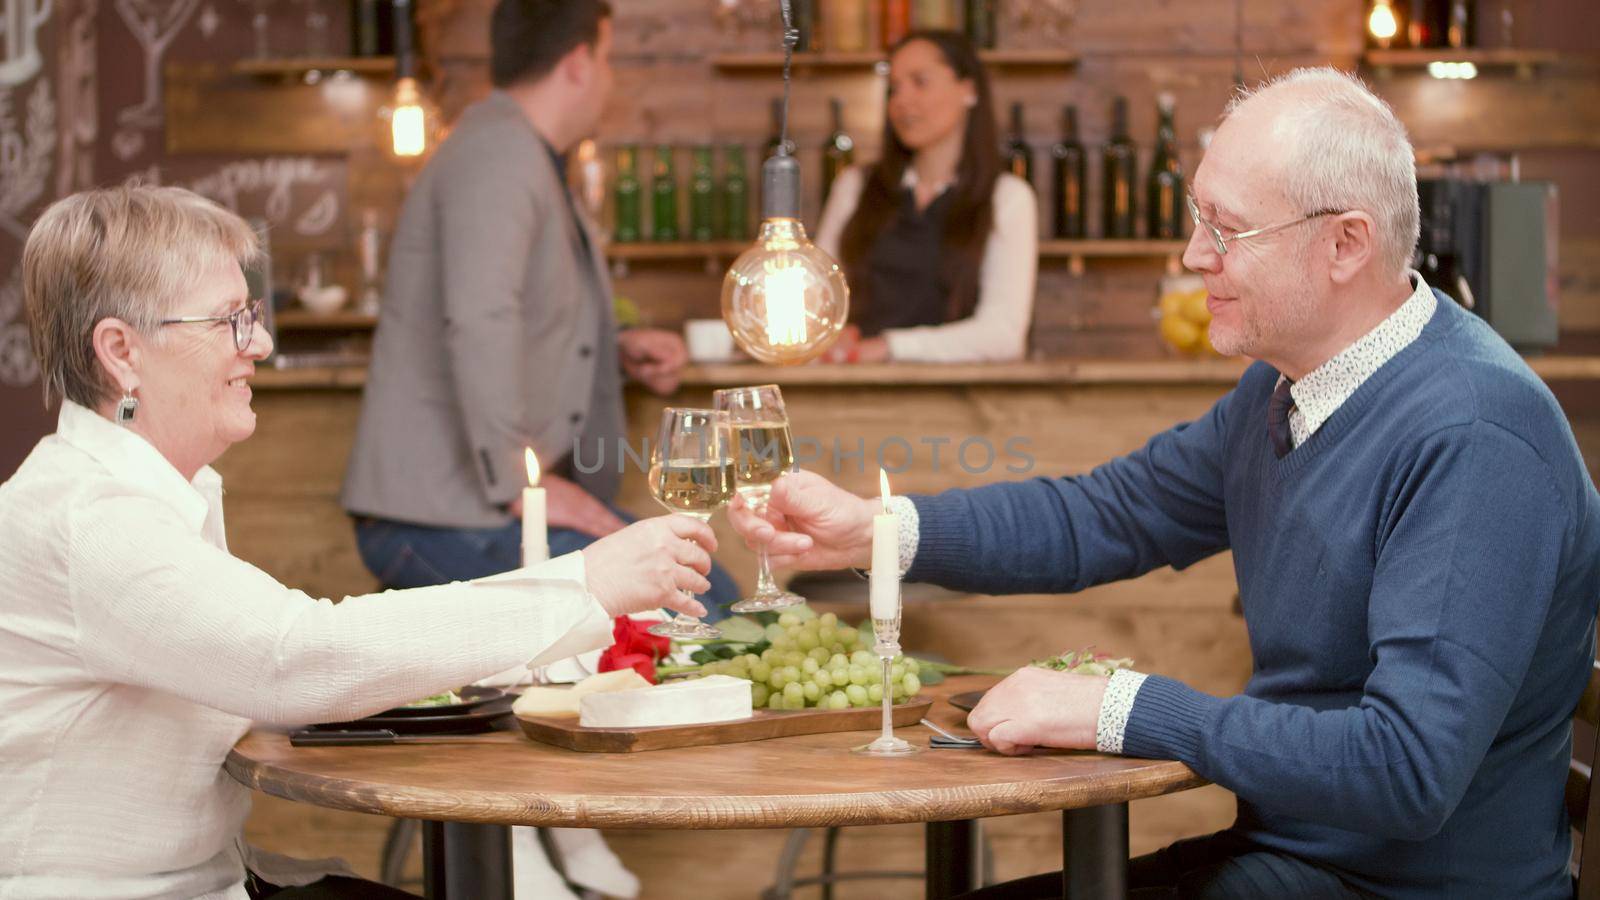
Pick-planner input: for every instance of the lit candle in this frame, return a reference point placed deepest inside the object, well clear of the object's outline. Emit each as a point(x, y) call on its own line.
point(535, 545)
point(884, 594)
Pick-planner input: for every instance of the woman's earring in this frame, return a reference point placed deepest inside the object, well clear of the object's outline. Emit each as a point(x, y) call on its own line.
point(126, 407)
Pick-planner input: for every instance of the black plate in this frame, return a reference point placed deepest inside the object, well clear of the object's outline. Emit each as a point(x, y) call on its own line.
point(965, 702)
point(482, 718)
point(472, 697)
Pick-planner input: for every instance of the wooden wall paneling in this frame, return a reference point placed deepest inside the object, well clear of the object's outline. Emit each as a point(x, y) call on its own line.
point(210, 110)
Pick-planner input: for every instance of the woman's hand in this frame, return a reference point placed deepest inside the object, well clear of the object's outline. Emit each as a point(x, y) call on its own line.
point(567, 505)
point(646, 564)
point(844, 346)
point(851, 347)
point(809, 523)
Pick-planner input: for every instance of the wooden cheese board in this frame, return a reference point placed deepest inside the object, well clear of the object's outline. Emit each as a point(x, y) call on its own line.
point(766, 723)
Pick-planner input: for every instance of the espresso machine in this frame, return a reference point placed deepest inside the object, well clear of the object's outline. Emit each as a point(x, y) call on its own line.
point(1491, 245)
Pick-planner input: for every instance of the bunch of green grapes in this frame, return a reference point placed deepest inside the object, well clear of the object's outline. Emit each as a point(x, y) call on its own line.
point(817, 662)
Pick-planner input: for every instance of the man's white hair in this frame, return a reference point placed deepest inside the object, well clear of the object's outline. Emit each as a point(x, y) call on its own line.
point(1346, 149)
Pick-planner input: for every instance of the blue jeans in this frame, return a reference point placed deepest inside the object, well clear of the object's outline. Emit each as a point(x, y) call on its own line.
point(403, 555)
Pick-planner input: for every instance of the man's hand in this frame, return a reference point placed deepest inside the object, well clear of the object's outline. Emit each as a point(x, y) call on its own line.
point(645, 565)
point(809, 523)
point(569, 506)
point(1036, 707)
point(653, 357)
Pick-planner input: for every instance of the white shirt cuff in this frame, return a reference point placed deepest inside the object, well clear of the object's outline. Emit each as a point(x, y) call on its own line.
point(910, 523)
point(592, 627)
point(1115, 706)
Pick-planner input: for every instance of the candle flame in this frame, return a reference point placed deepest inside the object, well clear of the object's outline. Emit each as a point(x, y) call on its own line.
point(883, 484)
point(533, 466)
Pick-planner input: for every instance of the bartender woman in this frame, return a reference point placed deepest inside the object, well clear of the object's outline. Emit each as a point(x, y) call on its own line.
point(939, 244)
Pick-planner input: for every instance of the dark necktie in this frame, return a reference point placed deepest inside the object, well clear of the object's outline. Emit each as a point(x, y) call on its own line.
point(1278, 418)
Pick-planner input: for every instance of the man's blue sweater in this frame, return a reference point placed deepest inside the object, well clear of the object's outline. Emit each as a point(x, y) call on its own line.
point(1419, 581)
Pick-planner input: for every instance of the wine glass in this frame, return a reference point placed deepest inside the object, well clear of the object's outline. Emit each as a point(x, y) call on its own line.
point(762, 450)
point(691, 473)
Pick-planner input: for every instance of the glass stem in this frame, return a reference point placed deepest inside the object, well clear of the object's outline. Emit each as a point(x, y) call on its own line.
point(764, 583)
point(685, 617)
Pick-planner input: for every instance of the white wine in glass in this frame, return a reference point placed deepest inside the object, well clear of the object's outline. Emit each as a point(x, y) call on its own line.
point(762, 451)
point(691, 473)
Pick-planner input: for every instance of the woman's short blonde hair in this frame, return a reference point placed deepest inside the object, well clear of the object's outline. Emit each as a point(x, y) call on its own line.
point(129, 252)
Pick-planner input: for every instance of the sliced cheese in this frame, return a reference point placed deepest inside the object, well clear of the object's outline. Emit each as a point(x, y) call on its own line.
point(715, 698)
point(559, 702)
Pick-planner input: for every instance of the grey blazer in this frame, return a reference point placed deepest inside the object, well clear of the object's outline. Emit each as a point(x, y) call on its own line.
point(496, 333)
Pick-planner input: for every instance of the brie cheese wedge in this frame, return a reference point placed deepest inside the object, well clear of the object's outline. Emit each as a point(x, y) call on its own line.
point(563, 701)
point(715, 698)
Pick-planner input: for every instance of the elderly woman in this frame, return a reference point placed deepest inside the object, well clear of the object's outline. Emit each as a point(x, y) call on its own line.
point(135, 650)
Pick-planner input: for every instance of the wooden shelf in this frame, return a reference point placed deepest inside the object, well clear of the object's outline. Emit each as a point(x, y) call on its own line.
point(773, 61)
point(677, 250)
point(1523, 62)
point(1075, 252)
point(377, 66)
point(305, 320)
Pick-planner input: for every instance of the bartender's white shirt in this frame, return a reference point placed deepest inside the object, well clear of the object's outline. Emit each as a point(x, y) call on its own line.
point(997, 330)
point(135, 651)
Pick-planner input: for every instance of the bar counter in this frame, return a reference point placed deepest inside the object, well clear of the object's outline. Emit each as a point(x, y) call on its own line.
point(1037, 372)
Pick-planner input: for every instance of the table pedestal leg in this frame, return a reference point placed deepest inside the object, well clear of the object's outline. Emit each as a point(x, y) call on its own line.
point(466, 861)
point(952, 854)
point(1094, 853)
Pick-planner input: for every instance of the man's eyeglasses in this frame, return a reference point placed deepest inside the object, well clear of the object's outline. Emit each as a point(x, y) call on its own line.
point(242, 320)
point(1221, 241)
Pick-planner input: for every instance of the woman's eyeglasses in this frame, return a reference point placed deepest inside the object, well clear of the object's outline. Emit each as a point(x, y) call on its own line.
point(242, 320)
point(1221, 241)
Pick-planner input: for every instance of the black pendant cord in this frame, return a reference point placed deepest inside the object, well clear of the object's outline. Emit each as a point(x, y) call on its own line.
point(791, 40)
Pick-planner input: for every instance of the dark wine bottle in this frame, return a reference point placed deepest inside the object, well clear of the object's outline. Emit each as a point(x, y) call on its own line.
point(1071, 171)
point(1118, 161)
point(1018, 155)
point(1460, 27)
point(838, 151)
point(1165, 208)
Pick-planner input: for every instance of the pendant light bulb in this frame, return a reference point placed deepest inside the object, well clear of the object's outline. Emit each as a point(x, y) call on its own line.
point(408, 124)
point(785, 299)
point(1381, 22)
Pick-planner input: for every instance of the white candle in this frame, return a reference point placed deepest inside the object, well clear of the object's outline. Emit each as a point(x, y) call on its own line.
point(535, 543)
point(883, 597)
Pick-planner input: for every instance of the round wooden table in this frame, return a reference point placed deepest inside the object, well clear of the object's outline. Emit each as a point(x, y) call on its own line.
point(504, 779)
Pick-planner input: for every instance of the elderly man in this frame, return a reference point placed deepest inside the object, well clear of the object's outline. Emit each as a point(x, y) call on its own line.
point(1416, 539)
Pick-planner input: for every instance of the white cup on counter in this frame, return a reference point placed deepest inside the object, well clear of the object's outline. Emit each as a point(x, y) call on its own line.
point(708, 340)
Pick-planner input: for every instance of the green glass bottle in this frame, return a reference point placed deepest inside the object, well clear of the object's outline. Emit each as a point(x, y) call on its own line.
point(664, 197)
point(735, 218)
point(981, 26)
point(702, 196)
point(1118, 159)
point(1165, 208)
point(838, 151)
point(625, 194)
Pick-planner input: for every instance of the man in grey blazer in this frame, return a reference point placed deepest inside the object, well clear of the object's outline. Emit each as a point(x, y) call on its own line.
point(497, 330)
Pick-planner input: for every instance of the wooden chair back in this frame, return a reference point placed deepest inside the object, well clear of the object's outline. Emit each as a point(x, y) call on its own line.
point(1584, 814)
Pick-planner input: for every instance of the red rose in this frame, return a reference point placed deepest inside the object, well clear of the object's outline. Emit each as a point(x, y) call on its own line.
point(634, 648)
point(612, 660)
